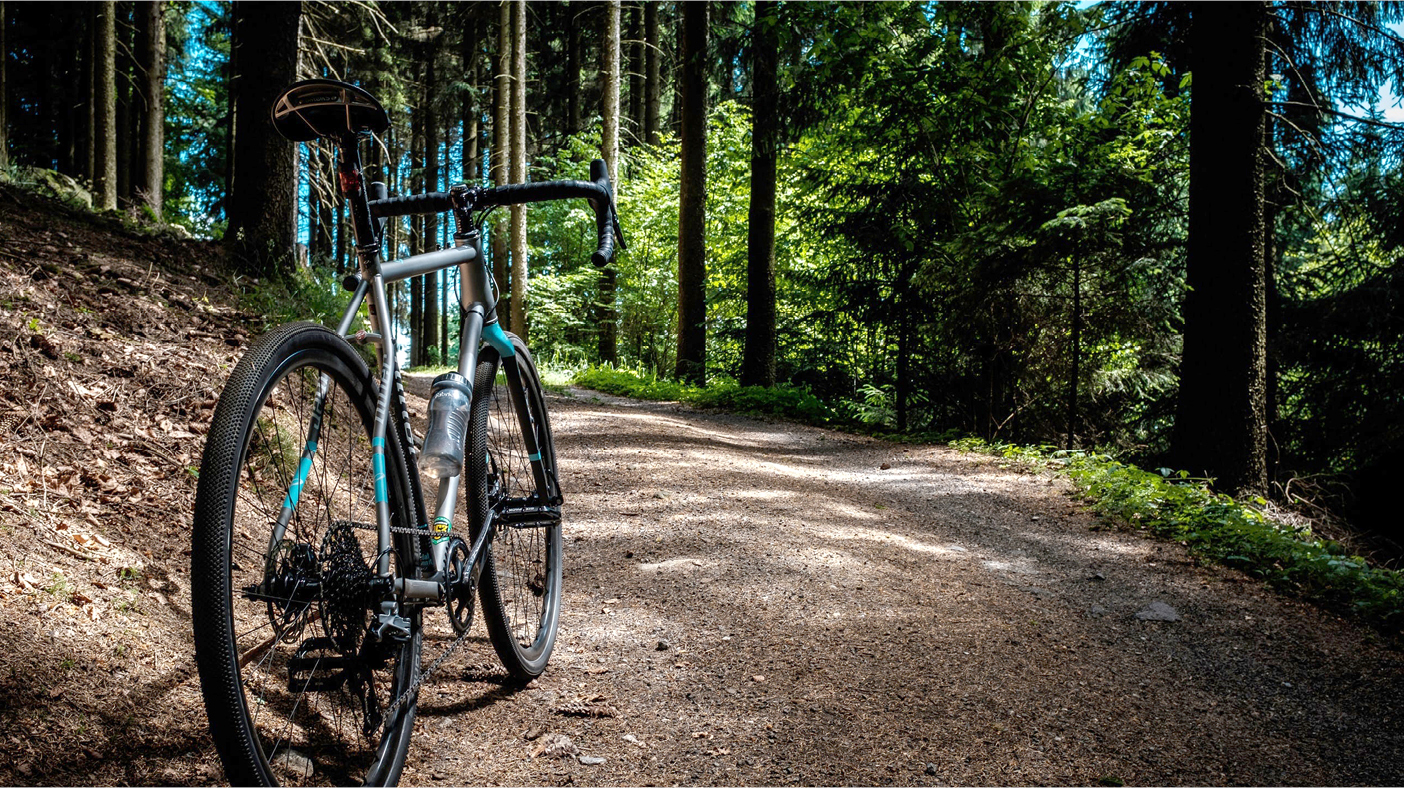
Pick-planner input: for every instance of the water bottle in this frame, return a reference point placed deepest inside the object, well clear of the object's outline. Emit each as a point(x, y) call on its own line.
point(449, 399)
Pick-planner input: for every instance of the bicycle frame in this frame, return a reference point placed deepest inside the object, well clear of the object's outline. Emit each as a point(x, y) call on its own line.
point(478, 324)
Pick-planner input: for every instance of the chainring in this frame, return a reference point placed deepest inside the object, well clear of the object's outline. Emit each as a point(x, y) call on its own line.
point(462, 585)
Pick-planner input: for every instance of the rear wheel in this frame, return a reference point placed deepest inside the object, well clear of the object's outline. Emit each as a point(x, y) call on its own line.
point(295, 688)
point(521, 579)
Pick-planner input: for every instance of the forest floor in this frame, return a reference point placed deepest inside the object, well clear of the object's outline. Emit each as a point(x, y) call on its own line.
point(746, 602)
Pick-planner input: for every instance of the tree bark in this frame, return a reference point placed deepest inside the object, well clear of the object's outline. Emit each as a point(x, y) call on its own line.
point(519, 236)
point(125, 66)
point(153, 146)
point(636, 72)
point(470, 104)
point(105, 134)
point(653, 82)
point(501, 157)
point(431, 183)
point(262, 208)
point(605, 318)
point(758, 359)
point(573, 47)
point(1220, 425)
point(692, 198)
point(4, 95)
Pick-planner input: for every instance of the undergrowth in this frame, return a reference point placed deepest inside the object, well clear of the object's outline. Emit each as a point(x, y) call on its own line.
point(1217, 528)
point(783, 401)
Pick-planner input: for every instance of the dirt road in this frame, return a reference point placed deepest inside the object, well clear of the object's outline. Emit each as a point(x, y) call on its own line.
point(765, 603)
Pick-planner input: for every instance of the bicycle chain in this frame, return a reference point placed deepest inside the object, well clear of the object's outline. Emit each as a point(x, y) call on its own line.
point(433, 668)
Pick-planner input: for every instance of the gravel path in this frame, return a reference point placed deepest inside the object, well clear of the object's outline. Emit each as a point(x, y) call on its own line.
point(763, 603)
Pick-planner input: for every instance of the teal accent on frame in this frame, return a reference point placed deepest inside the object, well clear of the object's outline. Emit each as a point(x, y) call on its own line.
point(534, 457)
point(495, 336)
point(303, 469)
point(378, 463)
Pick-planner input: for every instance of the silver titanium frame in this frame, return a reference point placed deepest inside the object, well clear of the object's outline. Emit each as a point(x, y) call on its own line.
point(474, 291)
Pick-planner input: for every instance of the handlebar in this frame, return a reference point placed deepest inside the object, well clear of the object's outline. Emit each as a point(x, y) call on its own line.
point(596, 190)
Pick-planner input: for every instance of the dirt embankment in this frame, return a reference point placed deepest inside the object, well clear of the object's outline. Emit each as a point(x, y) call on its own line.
point(746, 602)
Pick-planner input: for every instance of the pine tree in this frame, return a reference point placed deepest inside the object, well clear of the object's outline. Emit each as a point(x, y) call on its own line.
point(153, 89)
point(1221, 422)
point(501, 158)
point(758, 363)
point(692, 197)
point(519, 236)
point(105, 131)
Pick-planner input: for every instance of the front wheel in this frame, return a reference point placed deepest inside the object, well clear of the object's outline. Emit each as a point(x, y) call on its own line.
point(284, 551)
point(521, 579)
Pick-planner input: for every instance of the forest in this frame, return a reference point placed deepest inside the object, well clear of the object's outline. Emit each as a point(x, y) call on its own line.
point(1167, 231)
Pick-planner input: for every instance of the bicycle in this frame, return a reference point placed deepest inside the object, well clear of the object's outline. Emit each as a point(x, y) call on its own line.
point(314, 566)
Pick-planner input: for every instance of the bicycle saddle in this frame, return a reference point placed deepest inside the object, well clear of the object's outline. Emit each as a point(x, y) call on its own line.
point(326, 108)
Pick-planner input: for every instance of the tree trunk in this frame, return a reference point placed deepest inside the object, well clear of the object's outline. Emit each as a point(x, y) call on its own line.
point(519, 237)
point(1220, 425)
point(431, 183)
point(605, 318)
point(470, 104)
point(692, 198)
point(153, 146)
point(501, 157)
point(636, 72)
point(314, 204)
point(262, 207)
point(573, 47)
point(90, 94)
point(105, 134)
point(4, 95)
point(653, 82)
point(1076, 342)
point(417, 242)
point(125, 66)
point(758, 360)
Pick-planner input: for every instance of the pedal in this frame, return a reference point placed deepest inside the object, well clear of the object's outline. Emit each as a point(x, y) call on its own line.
point(319, 673)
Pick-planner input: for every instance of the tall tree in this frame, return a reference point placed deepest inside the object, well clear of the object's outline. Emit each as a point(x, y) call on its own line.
point(1221, 422)
point(431, 183)
point(758, 362)
point(262, 203)
point(4, 93)
point(153, 65)
point(653, 82)
point(692, 197)
point(605, 317)
point(574, 44)
point(501, 154)
point(519, 236)
point(636, 71)
point(105, 133)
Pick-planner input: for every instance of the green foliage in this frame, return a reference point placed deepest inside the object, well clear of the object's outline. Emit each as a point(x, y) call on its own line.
point(308, 293)
point(782, 401)
point(1217, 528)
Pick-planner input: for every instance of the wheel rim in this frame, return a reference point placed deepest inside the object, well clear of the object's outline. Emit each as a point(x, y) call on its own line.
point(292, 725)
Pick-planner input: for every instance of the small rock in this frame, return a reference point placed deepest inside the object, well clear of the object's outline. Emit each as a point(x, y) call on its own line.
point(1158, 611)
point(294, 762)
point(591, 760)
point(1096, 611)
point(884, 466)
point(1097, 577)
point(659, 494)
point(1035, 518)
point(632, 739)
point(662, 646)
point(534, 733)
point(931, 769)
